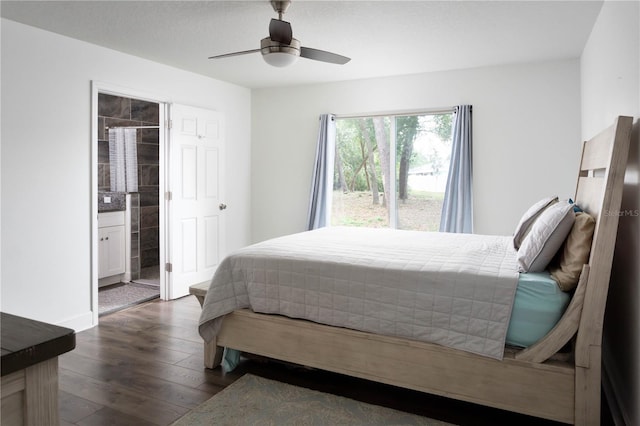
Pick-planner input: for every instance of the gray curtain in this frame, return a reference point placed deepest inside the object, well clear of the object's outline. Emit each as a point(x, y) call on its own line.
point(322, 180)
point(457, 209)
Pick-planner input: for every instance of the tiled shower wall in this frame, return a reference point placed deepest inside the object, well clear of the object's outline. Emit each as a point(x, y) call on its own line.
point(115, 111)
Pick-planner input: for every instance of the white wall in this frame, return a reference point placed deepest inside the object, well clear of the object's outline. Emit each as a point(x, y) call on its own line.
point(46, 162)
point(610, 73)
point(526, 129)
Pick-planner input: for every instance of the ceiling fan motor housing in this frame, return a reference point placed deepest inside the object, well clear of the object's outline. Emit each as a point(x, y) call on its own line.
point(278, 54)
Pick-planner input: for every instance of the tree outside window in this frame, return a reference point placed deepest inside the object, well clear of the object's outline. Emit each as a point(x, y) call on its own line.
point(391, 171)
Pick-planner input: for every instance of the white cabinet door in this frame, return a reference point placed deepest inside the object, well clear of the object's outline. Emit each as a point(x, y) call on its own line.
point(111, 251)
point(196, 206)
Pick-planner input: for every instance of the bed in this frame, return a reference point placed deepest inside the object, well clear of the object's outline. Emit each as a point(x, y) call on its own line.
point(463, 356)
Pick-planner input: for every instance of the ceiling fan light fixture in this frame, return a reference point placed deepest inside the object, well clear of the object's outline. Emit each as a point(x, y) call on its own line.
point(279, 55)
point(279, 59)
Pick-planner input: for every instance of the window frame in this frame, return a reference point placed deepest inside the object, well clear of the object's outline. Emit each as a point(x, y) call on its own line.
point(393, 115)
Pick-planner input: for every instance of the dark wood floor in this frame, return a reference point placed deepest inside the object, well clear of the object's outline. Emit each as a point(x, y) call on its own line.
point(144, 366)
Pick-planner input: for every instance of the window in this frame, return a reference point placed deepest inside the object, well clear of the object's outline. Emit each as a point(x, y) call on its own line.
point(391, 171)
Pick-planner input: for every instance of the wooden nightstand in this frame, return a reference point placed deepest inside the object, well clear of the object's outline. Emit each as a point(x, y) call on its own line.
point(29, 367)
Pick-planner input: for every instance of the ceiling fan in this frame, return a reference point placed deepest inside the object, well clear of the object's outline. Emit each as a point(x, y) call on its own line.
point(280, 49)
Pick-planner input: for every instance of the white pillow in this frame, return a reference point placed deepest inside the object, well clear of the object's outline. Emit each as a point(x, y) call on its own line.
point(528, 219)
point(546, 237)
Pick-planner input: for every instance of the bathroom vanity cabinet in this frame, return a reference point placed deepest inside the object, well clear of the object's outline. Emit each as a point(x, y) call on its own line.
point(111, 244)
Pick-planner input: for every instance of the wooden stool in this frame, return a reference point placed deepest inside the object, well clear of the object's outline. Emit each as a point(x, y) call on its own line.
point(212, 352)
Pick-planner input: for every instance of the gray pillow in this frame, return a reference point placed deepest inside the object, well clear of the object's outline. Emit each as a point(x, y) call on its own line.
point(528, 218)
point(545, 237)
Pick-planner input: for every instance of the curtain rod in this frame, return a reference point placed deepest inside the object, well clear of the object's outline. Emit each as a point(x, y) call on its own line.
point(132, 127)
point(432, 111)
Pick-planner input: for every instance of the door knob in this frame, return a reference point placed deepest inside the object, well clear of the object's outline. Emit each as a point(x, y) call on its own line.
point(222, 206)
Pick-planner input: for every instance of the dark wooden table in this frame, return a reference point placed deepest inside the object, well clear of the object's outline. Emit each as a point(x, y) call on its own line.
point(29, 367)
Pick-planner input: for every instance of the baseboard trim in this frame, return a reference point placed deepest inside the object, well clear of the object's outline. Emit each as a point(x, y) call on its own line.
point(79, 322)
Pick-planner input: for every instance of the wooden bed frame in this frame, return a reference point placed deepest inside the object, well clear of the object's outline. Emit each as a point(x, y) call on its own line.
point(537, 381)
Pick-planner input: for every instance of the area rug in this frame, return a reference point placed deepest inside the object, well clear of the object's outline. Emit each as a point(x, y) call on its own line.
point(119, 296)
point(253, 400)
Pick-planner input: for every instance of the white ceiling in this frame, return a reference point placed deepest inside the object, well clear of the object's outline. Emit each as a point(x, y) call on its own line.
point(382, 37)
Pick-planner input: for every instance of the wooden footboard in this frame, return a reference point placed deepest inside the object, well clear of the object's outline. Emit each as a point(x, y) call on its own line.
point(542, 390)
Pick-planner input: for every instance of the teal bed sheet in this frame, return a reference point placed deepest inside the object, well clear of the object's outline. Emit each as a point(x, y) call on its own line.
point(538, 305)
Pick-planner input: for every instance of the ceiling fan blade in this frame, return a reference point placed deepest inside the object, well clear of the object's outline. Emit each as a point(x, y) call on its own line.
point(226, 55)
point(321, 55)
point(280, 31)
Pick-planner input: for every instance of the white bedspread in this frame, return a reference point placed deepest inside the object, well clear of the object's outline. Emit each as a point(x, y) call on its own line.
point(456, 290)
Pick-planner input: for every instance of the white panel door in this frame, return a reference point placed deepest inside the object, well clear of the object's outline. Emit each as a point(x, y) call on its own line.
point(196, 205)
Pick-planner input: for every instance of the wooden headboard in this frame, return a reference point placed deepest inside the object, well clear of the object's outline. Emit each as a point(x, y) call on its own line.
point(599, 190)
point(603, 161)
point(599, 193)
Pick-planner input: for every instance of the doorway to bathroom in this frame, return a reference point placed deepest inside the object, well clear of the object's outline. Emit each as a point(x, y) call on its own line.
point(128, 185)
point(159, 211)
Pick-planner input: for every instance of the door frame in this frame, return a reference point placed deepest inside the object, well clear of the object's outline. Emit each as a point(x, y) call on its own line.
point(98, 87)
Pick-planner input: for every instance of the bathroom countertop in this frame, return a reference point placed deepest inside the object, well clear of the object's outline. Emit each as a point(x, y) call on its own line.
point(111, 201)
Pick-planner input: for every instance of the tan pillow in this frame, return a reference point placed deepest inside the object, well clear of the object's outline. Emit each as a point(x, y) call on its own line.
point(567, 266)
